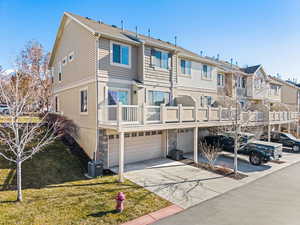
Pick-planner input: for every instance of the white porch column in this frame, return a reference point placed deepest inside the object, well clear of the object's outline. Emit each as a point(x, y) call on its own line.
point(269, 132)
point(289, 127)
point(121, 156)
point(297, 129)
point(196, 144)
point(279, 127)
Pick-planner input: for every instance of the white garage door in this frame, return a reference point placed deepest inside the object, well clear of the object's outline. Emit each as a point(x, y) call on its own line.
point(185, 140)
point(138, 147)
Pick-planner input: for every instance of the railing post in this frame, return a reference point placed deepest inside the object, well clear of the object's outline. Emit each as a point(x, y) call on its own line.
point(220, 113)
point(180, 110)
point(143, 112)
point(208, 113)
point(230, 113)
point(119, 114)
point(162, 113)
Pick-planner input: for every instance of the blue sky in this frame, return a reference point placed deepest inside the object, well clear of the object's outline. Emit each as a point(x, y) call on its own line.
point(250, 31)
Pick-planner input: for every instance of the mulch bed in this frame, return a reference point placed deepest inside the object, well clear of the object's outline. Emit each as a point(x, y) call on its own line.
point(223, 171)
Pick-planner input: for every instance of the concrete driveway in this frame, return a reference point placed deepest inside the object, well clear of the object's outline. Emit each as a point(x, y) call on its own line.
point(180, 184)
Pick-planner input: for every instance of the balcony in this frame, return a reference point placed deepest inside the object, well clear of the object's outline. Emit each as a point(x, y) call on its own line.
point(129, 116)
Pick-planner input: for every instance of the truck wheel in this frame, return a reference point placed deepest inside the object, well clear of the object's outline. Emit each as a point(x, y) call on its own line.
point(296, 148)
point(255, 159)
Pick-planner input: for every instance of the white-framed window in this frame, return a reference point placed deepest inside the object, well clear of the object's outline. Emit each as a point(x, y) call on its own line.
point(206, 101)
point(116, 95)
point(71, 56)
point(84, 101)
point(59, 72)
point(158, 97)
point(274, 90)
point(56, 104)
point(241, 82)
point(257, 83)
point(206, 72)
point(120, 54)
point(185, 67)
point(64, 61)
point(160, 59)
point(220, 80)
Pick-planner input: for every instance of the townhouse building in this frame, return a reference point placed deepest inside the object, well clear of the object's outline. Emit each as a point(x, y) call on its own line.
point(136, 98)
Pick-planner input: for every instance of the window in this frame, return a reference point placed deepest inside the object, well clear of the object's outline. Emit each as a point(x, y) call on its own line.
point(205, 101)
point(64, 61)
point(206, 72)
point(158, 97)
point(56, 104)
point(241, 82)
point(71, 57)
point(118, 95)
point(185, 67)
point(120, 54)
point(274, 90)
point(83, 101)
point(221, 80)
point(160, 59)
point(59, 72)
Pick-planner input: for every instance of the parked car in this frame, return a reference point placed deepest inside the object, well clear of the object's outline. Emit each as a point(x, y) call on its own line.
point(286, 139)
point(259, 151)
point(4, 109)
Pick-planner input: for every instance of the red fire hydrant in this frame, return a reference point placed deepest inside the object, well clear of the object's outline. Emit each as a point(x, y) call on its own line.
point(120, 201)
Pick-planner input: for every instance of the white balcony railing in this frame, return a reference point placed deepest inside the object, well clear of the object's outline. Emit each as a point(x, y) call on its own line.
point(144, 114)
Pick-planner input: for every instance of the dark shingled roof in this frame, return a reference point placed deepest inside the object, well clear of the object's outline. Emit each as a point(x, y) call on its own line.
point(250, 69)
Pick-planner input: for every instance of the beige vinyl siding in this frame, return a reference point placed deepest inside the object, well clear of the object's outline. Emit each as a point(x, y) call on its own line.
point(77, 39)
point(69, 105)
point(113, 71)
point(154, 74)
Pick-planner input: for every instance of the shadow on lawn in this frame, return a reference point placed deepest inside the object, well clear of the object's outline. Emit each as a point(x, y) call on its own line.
point(55, 165)
point(104, 213)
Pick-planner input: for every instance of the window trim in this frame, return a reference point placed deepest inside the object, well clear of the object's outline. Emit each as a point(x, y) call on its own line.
point(128, 90)
point(223, 80)
point(111, 55)
point(157, 67)
point(153, 90)
point(87, 97)
point(184, 73)
point(202, 73)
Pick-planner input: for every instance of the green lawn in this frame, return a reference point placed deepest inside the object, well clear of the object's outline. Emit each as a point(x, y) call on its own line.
point(56, 192)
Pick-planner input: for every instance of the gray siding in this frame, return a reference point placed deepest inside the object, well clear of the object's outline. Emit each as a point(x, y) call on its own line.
point(112, 71)
point(153, 74)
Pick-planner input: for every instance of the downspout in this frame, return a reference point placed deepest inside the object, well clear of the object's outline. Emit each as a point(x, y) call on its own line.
point(97, 97)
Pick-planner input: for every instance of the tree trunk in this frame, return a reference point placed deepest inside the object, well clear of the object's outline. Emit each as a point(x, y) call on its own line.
point(19, 181)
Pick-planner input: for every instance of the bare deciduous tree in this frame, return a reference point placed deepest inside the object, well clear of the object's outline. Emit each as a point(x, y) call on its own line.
point(209, 152)
point(33, 62)
point(20, 140)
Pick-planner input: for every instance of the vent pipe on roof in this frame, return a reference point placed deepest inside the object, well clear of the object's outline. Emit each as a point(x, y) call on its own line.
point(122, 25)
point(136, 31)
point(149, 34)
point(231, 61)
point(218, 57)
point(201, 53)
point(236, 63)
point(175, 39)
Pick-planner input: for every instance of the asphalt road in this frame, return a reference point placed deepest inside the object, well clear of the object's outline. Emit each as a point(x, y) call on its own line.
point(271, 200)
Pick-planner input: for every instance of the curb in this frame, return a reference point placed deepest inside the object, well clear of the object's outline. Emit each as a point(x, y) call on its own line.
point(155, 216)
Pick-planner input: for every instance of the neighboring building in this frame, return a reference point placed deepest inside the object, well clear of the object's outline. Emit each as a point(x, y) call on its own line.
point(135, 97)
